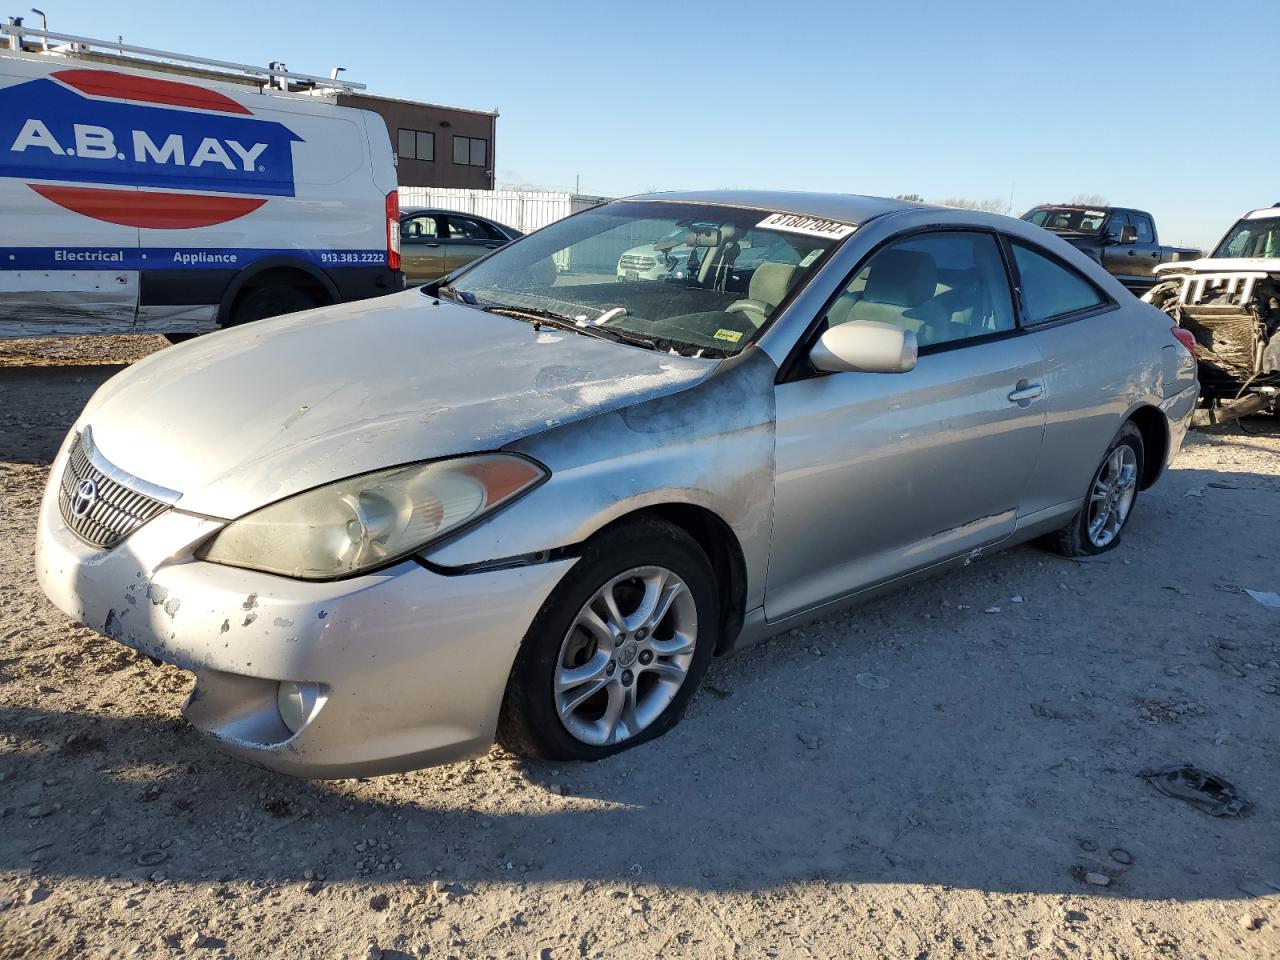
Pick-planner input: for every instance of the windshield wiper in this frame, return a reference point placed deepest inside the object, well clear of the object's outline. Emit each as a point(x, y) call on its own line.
point(453, 293)
point(561, 322)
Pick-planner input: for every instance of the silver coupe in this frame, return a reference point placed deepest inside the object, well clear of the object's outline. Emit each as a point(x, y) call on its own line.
point(533, 500)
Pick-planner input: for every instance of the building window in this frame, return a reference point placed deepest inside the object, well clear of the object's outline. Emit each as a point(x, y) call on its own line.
point(469, 151)
point(417, 144)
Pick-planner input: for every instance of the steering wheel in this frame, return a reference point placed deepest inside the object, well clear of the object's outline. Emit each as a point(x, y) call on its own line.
point(751, 308)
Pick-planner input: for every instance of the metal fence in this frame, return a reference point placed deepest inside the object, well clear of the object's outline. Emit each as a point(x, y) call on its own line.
point(526, 210)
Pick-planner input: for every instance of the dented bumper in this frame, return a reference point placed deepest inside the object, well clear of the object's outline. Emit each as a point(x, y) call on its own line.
point(411, 664)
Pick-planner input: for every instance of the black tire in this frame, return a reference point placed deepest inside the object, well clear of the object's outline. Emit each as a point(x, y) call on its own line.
point(1073, 540)
point(529, 724)
point(258, 305)
point(269, 302)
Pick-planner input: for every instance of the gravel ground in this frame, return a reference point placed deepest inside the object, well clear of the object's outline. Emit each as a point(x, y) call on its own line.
point(938, 774)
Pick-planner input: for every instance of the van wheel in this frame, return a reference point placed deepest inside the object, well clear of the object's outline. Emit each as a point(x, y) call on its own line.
point(269, 302)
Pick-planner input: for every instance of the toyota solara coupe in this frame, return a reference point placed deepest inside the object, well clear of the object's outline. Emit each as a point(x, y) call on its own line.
point(534, 499)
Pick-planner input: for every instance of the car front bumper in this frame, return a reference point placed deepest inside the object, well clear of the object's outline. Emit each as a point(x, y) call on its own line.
point(411, 664)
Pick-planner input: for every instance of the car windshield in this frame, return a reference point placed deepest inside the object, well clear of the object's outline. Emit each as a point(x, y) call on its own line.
point(695, 279)
point(1068, 221)
point(1251, 238)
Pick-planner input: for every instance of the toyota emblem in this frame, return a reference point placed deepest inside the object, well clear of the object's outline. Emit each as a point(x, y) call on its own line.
point(84, 498)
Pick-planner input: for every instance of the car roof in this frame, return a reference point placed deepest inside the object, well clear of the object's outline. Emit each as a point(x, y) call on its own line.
point(847, 207)
point(414, 211)
point(1077, 206)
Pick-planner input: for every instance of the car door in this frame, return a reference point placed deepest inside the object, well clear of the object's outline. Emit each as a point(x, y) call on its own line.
point(465, 239)
point(1086, 388)
point(1144, 251)
point(878, 475)
point(1116, 258)
point(421, 252)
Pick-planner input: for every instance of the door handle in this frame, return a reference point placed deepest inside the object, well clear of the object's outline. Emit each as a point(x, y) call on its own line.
point(1024, 394)
point(431, 244)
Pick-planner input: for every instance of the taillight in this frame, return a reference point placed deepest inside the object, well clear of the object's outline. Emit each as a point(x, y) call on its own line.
point(1186, 338)
point(393, 230)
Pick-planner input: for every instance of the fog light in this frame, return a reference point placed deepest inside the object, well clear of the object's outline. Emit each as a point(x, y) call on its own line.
point(297, 702)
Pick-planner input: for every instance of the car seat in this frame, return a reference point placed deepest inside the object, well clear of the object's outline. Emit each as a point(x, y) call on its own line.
point(900, 288)
point(769, 286)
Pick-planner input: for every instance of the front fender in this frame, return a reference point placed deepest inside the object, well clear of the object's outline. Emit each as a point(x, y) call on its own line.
point(710, 446)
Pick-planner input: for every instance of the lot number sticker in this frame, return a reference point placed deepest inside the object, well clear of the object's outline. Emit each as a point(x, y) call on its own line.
point(809, 226)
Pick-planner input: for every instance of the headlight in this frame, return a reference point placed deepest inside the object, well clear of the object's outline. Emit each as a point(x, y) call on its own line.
point(354, 525)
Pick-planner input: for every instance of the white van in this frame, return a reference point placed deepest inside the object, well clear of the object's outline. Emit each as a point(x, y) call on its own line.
point(132, 201)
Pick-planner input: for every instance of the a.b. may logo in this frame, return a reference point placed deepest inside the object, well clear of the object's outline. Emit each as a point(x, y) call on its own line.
point(187, 156)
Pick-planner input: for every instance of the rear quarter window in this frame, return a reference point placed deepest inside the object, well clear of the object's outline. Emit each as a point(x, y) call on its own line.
point(1051, 289)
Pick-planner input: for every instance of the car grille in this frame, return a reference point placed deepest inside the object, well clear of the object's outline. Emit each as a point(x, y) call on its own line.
point(101, 509)
point(629, 262)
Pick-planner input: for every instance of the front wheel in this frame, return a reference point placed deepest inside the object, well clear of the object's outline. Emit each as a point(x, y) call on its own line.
point(1113, 493)
point(617, 651)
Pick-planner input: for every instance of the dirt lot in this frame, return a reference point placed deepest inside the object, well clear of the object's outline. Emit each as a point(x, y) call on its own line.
point(948, 805)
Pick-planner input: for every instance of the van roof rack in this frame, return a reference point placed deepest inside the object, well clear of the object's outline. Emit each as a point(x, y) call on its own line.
point(274, 76)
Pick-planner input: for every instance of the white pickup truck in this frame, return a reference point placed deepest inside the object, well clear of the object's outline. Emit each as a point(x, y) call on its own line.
point(1230, 301)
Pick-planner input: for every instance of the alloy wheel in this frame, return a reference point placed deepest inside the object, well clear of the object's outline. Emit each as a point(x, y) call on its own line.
point(626, 655)
point(1112, 495)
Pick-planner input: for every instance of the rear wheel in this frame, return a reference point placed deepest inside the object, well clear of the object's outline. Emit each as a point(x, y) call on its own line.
point(259, 304)
point(269, 302)
point(617, 651)
point(1113, 493)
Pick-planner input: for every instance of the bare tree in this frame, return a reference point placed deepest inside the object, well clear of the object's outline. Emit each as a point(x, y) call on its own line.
point(986, 206)
point(1089, 200)
point(912, 197)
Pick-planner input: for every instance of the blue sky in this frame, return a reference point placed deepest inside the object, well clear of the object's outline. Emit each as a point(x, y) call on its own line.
point(1038, 100)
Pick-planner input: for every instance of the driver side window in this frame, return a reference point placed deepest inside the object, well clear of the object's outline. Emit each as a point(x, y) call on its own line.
point(944, 287)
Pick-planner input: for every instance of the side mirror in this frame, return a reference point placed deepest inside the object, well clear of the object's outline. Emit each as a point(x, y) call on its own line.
point(865, 346)
point(1128, 234)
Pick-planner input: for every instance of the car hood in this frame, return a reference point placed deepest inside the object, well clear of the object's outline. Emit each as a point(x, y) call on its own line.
point(239, 419)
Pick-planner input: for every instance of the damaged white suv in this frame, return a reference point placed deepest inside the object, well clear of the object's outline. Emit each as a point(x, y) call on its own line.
point(1230, 302)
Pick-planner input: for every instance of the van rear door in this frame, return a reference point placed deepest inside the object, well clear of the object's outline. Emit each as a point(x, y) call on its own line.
point(67, 254)
point(62, 273)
